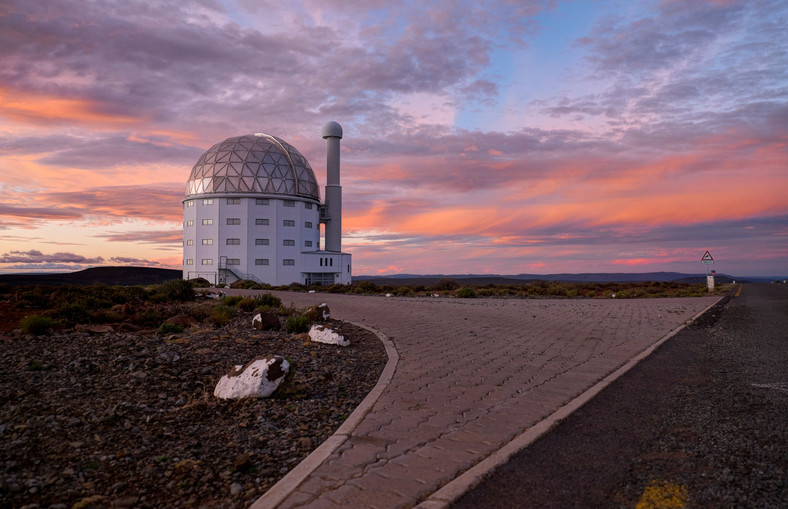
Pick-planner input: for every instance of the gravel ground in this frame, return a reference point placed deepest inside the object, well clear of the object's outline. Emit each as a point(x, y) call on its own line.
point(129, 419)
point(701, 420)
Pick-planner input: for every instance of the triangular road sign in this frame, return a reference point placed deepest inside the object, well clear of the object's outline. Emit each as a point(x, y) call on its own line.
point(707, 257)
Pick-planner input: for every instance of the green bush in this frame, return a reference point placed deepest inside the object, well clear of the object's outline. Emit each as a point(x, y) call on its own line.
point(74, 313)
point(445, 284)
point(267, 299)
point(232, 300)
point(175, 290)
point(148, 318)
point(466, 292)
point(247, 304)
point(296, 324)
point(169, 328)
point(37, 325)
point(222, 315)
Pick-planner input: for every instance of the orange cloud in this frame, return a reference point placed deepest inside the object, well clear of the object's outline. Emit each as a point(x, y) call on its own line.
point(41, 109)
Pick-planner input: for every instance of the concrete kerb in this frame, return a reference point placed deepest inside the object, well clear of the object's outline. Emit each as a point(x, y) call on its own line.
point(470, 478)
point(287, 484)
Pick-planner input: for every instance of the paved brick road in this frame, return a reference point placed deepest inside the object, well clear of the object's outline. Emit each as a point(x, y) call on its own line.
point(472, 375)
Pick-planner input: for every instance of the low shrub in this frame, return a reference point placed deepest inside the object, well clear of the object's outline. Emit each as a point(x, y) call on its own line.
point(148, 318)
point(247, 304)
point(37, 325)
point(169, 328)
point(222, 315)
point(232, 300)
point(267, 299)
point(466, 292)
point(297, 324)
point(445, 284)
point(176, 290)
point(74, 313)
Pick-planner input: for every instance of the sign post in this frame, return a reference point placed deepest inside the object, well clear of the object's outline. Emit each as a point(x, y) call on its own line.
point(708, 260)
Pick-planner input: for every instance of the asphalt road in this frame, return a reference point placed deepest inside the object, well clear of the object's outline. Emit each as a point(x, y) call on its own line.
point(702, 422)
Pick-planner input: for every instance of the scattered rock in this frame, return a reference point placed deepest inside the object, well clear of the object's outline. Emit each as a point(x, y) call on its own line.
point(322, 334)
point(93, 329)
point(184, 321)
point(236, 489)
point(242, 461)
point(258, 378)
point(266, 320)
point(319, 313)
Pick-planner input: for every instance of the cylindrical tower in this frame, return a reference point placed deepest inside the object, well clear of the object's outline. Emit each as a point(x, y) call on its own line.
point(332, 133)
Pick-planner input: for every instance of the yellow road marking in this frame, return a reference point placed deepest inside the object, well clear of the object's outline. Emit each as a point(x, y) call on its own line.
point(739, 292)
point(663, 495)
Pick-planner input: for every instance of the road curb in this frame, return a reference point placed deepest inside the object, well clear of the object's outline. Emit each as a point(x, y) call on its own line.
point(290, 482)
point(470, 478)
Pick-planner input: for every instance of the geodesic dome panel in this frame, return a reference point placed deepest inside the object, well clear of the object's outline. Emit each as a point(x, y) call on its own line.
point(253, 163)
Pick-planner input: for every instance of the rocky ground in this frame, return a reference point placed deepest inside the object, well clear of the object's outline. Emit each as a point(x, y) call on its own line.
point(128, 419)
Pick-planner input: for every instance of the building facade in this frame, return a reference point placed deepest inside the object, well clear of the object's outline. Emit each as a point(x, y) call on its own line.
point(252, 211)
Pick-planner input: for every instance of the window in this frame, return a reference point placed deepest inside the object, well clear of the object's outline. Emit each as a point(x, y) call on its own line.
point(332, 262)
point(288, 261)
point(207, 261)
point(207, 221)
point(259, 222)
point(190, 242)
point(233, 220)
point(233, 261)
point(189, 261)
point(308, 206)
point(233, 242)
point(261, 261)
point(207, 201)
point(307, 224)
point(207, 242)
point(260, 242)
point(190, 203)
point(287, 242)
point(190, 223)
point(288, 222)
point(289, 203)
point(307, 243)
point(261, 201)
point(233, 201)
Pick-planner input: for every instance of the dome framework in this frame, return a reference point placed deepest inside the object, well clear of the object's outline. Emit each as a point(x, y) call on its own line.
point(258, 163)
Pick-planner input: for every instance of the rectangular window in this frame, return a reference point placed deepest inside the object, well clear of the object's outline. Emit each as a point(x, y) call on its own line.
point(207, 242)
point(260, 242)
point(190, 242)
point(207, 261)
point(190, 222)
point(189, 261)
point(287, 242)
point(308, 206)
point(207, 221)
point(190, 203)
point(288, 261)
point(233, 220)
point(307, 243)
point(288, 222)
point(261, 222)
point(288, 203)
point(261, 201)
point(233, 242)
point(233, 201)
point(207, 201)
point(307, 224)
point(261, 261)
point(233, 261)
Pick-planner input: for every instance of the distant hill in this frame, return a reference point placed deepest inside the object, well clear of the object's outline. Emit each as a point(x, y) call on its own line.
point(127, 276)
point(483, 279)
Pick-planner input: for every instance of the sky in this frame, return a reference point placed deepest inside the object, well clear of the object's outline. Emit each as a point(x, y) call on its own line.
point(497, 136)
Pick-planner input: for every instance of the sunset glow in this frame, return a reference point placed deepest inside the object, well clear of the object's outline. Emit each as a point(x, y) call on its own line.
point(480, 137)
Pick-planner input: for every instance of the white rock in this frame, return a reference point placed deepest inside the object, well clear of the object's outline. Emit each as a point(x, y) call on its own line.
point(258, 378)
point(321, 334)
point(388, 295)
point(311, 291)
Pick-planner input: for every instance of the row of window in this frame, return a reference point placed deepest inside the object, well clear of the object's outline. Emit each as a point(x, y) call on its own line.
point(237, 261)
point(257, 242)
point(257, 201)
point(258, 222)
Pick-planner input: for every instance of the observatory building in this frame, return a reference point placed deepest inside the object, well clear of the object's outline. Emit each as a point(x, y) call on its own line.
point(252, 211)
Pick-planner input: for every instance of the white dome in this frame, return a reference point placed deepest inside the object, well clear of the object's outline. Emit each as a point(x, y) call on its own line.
point(253, 163)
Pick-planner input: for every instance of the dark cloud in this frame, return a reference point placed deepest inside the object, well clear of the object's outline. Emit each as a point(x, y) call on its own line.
point(37, 257)
point(152, 202)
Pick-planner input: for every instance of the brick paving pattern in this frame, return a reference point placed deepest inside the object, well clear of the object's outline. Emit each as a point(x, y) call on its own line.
point(472, 375)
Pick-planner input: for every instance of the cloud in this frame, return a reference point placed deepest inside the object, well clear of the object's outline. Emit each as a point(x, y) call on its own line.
point(37, 257)
point(166, 237)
